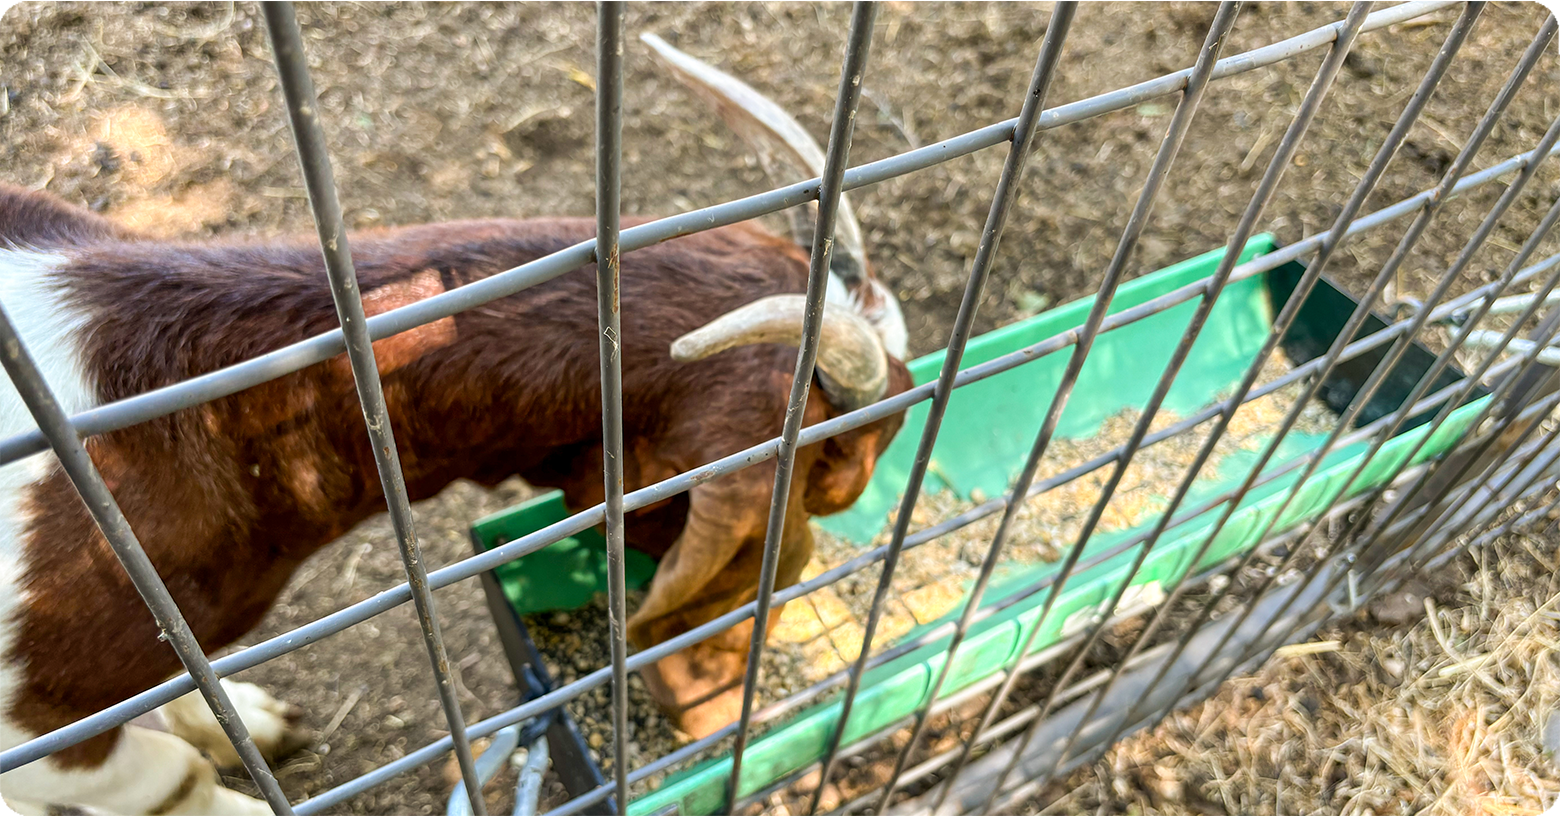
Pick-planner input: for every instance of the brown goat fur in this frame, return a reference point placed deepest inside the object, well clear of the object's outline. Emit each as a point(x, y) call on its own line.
point(228, 498)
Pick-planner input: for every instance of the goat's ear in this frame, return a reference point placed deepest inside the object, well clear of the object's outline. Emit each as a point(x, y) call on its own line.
point(398, 350)
point(786, 150)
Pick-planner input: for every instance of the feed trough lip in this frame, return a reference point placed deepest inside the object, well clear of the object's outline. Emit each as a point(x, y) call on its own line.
point(981, 457)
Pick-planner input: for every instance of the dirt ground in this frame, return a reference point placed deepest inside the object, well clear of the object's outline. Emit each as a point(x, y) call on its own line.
point(168, 118)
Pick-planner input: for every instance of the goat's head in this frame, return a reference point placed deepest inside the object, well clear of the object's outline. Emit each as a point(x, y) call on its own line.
point(862, 322)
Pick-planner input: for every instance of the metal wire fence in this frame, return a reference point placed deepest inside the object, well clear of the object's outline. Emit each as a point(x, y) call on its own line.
point(1497, 477)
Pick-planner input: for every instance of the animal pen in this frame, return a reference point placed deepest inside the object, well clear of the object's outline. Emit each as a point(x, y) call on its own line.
point(1231, 451)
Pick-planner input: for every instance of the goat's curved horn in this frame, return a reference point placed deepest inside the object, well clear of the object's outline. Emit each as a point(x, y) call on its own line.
point(782, 145)
point(852, 364)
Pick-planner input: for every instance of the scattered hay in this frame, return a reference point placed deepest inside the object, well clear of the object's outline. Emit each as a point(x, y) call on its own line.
point(1450, 714)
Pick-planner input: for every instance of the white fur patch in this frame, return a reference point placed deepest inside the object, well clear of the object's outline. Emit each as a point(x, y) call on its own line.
point(890, 323)
point(51, 329)
point(837, 293)
point(888, 320)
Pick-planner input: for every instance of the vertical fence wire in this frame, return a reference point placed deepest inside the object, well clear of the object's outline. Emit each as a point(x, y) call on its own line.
point(811, 434)
point(297, 356)
point(1007, 191)
point(1029, 713)
point(1202, 687)
point(1549, 512)
point(1335, 551)
point(1518, 483)
point(1435, 526)
point(1451, 404)
point(309, 138)
point(1266, 188)
point(847, 100)
point(1170, 145)
point(1356, 319)
point(1499, 500)
point(1538, 483)
point(609, 153)
point(1372, 384)
point(99, 500)
point(1281, 325)
point(1437, 534)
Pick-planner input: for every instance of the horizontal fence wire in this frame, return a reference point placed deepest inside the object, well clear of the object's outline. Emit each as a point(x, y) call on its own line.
point(1539, 299)
point(1367, 301)
point(1362, 543)
point(795, 701)
point(1510, 473)
point(474, 565)
point(470, 567)
point(141, 703)
point(1205, 688)
point(1030, 713)
point(1544, 334)
point(1337, 37)
point(110, 519)
point(1388, 271)
point(582, 685)
point(1321, 84)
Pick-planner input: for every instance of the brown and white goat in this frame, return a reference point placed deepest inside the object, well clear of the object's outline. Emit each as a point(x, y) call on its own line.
point(228, 498)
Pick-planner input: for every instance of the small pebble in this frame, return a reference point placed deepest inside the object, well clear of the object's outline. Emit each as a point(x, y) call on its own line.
point(1403, 606)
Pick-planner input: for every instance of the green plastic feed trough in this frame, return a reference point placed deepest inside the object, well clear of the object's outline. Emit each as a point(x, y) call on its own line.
point(984, 440)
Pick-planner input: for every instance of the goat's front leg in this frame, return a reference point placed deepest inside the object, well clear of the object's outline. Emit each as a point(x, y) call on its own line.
point(272, 723)
point(146, 772)
point(712, 569)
